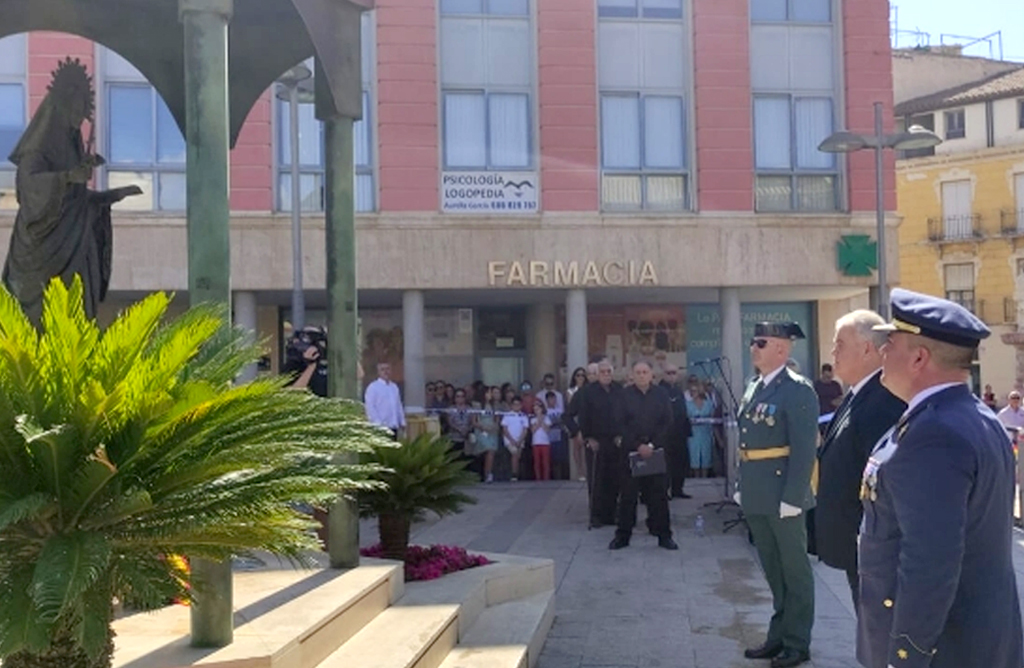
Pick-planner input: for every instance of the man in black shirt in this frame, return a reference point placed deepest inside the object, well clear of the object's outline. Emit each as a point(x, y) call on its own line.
point(596, 420)
point(645, 421)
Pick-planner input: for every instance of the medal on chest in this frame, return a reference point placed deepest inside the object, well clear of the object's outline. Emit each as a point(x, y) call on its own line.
point(883, 452)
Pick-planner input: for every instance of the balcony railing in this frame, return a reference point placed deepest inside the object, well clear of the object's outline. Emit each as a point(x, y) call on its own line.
point(1009, 310)
point(955, 228)
point(1011, 222)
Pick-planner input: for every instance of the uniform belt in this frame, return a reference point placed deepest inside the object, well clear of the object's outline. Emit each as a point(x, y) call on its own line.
point(764, 453)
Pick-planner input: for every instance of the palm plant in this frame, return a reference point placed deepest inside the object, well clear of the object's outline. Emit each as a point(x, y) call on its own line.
point(122, 447)
point(421, 475)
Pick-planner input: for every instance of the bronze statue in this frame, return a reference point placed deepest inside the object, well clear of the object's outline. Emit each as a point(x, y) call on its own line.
point(62, 227)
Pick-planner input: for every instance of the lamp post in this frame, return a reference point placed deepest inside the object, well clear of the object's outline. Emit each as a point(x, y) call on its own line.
point(916, 137)
point(289, 91)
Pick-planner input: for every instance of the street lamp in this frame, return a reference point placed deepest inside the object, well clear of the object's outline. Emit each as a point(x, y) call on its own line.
point(916, 137)
point(292, 91)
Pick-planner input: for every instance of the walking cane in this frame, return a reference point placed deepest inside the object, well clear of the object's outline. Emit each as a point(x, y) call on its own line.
point(591, 483)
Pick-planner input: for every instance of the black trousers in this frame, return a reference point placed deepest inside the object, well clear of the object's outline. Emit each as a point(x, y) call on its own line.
point(854, 580)
point(678, 460)
point(654, 489)
point(606, 476)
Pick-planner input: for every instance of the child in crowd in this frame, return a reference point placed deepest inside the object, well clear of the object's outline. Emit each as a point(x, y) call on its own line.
point(515, 426)
point(558, 438)
point(539, 426)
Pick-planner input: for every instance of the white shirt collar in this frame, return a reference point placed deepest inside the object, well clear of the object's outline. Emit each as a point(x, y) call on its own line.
point(772, 376)
point(864, 381)
point(921, 396)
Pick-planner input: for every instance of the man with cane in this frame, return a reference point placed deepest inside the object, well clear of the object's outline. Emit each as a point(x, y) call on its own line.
point(596, 419)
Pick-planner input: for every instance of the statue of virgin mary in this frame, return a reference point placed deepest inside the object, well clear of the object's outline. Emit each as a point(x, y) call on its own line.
point(62, 227)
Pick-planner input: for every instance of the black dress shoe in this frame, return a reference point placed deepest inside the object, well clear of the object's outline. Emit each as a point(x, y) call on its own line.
point(789, 658)
point(765, 651)
point(681, 495)
point(618, 543)
point(667, 543)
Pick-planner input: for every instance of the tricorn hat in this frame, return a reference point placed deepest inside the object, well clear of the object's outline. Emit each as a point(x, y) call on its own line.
point(779, 330)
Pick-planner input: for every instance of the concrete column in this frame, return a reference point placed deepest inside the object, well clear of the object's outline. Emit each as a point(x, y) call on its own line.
point(412, 335)
point(245, 316)
point(576, 328)
point(541, 343)
point(207, 139)
point(342, 313)
point(733, 351)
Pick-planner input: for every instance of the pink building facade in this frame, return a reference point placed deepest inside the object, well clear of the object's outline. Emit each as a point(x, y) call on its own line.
point(538, 182)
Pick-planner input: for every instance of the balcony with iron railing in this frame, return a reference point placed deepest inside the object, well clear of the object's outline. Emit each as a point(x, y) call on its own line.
point(955, 228)
point(1011, 222)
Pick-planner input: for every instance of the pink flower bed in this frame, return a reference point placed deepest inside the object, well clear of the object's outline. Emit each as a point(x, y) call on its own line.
point(430, 563)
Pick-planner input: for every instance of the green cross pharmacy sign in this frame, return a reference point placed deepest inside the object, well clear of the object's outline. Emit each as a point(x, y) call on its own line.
point(856, 255)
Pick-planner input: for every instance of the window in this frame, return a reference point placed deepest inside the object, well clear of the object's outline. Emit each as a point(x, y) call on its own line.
point(957, 221)
point(960, 284)
point(648, 9)
point(643, 72)
point(311, 144)
point(794, 11)
point(1020, 114)
point(13, 56)
point(793, 79)
point(145, 147)
point(487, 84)
point(955, 124)
point(926, 121)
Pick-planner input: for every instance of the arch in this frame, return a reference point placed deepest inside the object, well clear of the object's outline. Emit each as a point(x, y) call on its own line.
point(152, 40)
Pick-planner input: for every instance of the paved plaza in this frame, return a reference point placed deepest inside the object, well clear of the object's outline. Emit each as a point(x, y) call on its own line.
point(644, 607)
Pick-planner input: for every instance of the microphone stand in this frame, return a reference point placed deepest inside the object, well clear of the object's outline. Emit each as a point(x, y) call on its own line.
point(732, 411)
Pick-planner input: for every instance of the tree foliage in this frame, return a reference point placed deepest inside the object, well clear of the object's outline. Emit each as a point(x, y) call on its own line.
point(124, 446)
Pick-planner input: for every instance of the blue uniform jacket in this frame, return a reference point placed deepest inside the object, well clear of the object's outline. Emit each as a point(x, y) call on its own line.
point(936, 565)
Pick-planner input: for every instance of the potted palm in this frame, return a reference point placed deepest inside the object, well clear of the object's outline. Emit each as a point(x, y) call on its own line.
point(422, 475)
point(120, 448)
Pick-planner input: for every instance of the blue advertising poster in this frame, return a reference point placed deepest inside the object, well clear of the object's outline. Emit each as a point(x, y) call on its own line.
point(704, 332)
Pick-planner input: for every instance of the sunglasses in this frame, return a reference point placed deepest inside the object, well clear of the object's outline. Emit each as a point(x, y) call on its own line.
point(760, 343)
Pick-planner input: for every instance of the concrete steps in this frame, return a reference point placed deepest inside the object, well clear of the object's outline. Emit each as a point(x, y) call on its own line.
point(493, 616)
point(283, 618)
point(508, 635)
point(434, 619)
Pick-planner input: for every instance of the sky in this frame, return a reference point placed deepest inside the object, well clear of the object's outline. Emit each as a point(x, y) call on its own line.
point(974, 18)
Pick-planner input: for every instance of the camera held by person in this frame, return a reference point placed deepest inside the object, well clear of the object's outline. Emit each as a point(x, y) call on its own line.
point(306, 359)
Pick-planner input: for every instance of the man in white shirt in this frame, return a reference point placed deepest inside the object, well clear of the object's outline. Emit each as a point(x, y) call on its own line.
point(1013, 415)
point(384, 402)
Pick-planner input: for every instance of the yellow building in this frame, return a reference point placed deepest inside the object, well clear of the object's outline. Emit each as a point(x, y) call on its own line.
point(962, 205)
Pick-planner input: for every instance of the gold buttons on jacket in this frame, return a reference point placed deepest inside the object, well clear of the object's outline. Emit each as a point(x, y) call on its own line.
point(778, 472)
point(902, 653)
point(887, 602)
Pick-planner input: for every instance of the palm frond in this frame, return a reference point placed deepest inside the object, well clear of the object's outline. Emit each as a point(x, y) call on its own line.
point(67, 566)
point(21, 627)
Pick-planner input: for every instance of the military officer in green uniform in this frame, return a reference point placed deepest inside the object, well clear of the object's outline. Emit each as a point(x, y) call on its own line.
point(778, 423)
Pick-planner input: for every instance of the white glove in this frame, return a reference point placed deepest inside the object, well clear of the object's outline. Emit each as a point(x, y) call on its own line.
point(786, 510)
point(736, 498)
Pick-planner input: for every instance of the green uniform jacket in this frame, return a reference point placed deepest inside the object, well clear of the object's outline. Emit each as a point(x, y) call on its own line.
point(783, 413)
